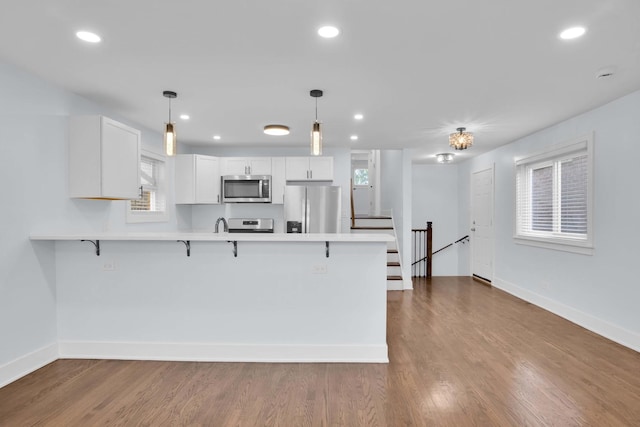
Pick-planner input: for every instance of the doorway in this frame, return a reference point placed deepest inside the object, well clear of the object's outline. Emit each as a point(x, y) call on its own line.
point(364, 178)
point(482, 191)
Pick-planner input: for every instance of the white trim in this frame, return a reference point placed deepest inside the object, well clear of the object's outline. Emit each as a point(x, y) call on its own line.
point(28, 363)
point(206, 352)
point(601, 327)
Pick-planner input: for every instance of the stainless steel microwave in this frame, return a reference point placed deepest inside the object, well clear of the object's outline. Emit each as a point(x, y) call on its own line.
point(246, 188)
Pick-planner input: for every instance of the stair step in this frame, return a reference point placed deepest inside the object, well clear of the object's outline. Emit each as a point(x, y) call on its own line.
point(371, 217)
point(392, 251)
point(393, 264)
point(394, 277)
point(371, 228)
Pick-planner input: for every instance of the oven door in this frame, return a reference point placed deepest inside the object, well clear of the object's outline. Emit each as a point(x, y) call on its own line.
point(246, 189)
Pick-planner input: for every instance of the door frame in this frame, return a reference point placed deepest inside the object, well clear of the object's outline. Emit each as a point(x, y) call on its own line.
point(492, 168)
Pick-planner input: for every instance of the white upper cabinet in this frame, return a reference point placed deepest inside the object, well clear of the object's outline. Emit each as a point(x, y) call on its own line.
point(309, 169)
point(246, 166)
point(104, 159)
point(197, 179)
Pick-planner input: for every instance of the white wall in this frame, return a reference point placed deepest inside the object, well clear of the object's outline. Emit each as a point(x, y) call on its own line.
point(601, 291)
point(33, 170)
point(435, 198)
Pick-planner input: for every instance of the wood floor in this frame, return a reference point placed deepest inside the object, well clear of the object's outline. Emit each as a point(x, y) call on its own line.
point(462, 354)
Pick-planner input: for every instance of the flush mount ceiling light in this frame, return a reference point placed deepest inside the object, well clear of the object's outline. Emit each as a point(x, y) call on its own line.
point(572, 33)
point(328, 32)
point(276, 130)
point(358, 116)
point(354, 137)
point(461, 140)
point(184, 116)
point(444, 157)
point(88, 36)
point(217, 137)
point(170, 143)
point(316, 131)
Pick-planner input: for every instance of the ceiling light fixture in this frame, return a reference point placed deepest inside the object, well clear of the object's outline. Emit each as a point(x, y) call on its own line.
point(354, 137)
point(88, 36)
point(444, 157)
point(328, 32)
point(316, 131)
point(170, 142)
point(572, 33)
point(184, 116)
point(216, 137)
point(276, 130)
point(358, 116)
point(461, 140)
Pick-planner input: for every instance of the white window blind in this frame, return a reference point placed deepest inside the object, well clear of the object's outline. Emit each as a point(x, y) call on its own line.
point(151, 207)
point(554, 197)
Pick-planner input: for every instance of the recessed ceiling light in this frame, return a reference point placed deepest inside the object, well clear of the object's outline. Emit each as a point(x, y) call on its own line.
point(328, 32)
point(572, 33)
point(184, 116)
point(88, 36)
point(216, 137)
point(358, 116)
point(354, 137)
point(277, 130)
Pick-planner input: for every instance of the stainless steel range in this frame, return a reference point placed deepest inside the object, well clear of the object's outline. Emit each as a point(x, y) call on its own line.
point(250, 225)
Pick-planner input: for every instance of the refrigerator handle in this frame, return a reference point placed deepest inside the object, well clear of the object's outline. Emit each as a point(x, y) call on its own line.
point(306, 215)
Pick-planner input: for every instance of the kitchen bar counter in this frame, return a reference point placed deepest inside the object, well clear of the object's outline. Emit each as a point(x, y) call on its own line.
point(236, 297)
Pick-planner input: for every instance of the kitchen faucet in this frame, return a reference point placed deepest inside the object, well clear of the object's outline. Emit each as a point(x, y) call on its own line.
point(224, 223)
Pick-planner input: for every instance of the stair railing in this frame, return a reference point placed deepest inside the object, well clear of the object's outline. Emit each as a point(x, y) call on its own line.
point(422, 239)
point(422, 250)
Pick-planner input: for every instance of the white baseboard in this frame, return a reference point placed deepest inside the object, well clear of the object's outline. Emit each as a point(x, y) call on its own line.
point(408, 283)
point(601, 327)
point(28, 363)
point(395, 285)
point(199, 352)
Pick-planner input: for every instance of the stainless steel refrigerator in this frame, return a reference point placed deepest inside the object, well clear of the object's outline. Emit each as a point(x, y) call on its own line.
point(312, 209)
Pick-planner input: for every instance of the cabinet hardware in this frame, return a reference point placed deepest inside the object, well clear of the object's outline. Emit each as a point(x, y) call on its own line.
point(326, 249)
point(235, 247)
point(96, 243)
point(141, 193)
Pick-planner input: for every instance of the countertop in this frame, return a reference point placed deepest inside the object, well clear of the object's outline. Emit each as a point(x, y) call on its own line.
point(213, 237)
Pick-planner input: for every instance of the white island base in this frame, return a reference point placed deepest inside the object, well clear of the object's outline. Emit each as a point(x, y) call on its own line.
point(280, 300)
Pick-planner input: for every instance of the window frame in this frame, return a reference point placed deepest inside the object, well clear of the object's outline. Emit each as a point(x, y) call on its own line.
point(552, 156)
point(136, 216)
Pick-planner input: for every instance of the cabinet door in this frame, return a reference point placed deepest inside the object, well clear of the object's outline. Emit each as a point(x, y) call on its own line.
point(321, 168)
point(277, 180)
point(234, 166)
point(259, 165)
point(120, 151)
point(297, 168)
point(207, 180)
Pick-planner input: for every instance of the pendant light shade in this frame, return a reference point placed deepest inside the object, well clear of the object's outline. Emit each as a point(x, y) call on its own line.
point(170, 140)
point(316, 129)
point(316, 139)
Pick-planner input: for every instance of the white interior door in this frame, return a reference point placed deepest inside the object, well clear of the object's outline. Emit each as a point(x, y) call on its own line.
point(482, 224)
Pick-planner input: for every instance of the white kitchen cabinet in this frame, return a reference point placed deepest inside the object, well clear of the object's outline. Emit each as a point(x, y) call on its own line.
point(104, 159)
point(197, 179)
point(246, 166)
point(309, 168)
point(278, 180)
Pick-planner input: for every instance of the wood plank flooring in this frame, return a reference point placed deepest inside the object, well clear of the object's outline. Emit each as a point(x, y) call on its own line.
point(461, 354)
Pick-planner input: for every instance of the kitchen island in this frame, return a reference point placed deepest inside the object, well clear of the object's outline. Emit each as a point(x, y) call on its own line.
point(219, 297)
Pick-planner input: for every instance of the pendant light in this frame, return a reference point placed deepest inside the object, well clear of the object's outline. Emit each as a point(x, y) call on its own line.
point(170, 142)
point(316, 131)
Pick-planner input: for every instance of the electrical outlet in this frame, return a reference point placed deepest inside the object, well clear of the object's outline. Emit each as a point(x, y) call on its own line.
point(319, 269)
point(109, 265)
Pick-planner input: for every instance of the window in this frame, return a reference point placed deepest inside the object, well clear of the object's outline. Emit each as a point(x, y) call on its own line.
point(554, 197)
point(361, 177)
point(152, 206)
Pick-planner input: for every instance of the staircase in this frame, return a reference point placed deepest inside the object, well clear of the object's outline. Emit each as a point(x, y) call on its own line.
point(383, 224)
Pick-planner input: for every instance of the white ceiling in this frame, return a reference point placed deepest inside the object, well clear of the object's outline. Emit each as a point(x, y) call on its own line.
point(416, 69)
